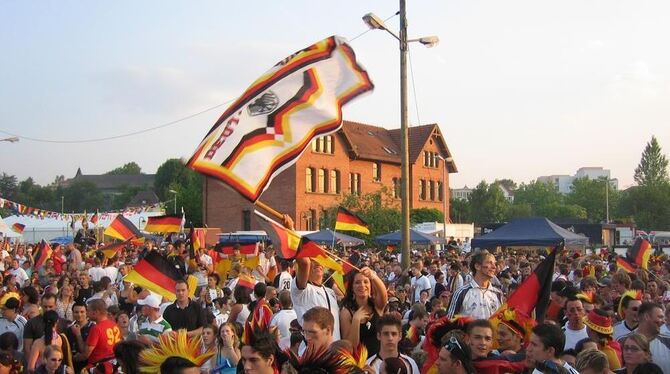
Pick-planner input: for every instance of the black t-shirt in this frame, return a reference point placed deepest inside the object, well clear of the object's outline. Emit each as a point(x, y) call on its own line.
point(34, 328)
point(190, 318)
point(84, 295)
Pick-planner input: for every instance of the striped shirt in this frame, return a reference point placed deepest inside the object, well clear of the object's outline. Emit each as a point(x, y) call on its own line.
point(155, 328)
point(475, 301)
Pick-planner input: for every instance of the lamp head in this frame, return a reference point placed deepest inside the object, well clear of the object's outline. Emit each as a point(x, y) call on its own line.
point(429, 41)
point(374, 22)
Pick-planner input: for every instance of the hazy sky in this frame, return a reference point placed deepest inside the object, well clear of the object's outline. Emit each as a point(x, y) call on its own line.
point(520, 88)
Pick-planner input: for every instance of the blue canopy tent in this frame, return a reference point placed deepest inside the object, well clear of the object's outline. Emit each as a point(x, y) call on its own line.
point(62, 240)
point(328, 236)
point(535, 231)
point(415, 237)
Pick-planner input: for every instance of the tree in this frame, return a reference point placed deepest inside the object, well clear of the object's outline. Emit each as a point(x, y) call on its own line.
point(509, 184)
point(648, 205)
point(173, 175)
point(487, 203)
point(459, 210)
point(8, 185)
point(129, 168)
point(653, 167)
point(590, 195)
point(420, 215)
point(81, 196)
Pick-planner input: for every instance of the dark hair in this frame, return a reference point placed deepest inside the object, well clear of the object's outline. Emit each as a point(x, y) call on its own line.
point(551, 336)
point(321, 316)
point(216, 277)
point(31, 293)
point(478, 323)
point(349, 301)
point(78, 303)
point(264, 343)
point(242, 295)
point(9, 341)
point(647, 307)
point(260, 289)
point(175, 365)
point(580, 345)
point(50, 318)
point(647, 368)
point(127, 353)
point(48, 296)
point(478, 258)
point(395, 365)
point(388, 320)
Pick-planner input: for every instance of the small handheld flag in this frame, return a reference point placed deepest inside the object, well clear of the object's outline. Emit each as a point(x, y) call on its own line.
point(622, 263)
point(348, 221)
point(285, 242)
point(17, 227)
point(640, 253)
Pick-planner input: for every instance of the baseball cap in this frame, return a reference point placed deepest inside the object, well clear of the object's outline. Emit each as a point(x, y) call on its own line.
point(151, 300)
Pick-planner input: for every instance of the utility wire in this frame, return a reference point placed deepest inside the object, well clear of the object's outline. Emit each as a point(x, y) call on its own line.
point(164, 125)
point(416, 100)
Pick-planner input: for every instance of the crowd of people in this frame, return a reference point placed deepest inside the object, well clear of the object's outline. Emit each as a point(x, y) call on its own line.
point(77, 313)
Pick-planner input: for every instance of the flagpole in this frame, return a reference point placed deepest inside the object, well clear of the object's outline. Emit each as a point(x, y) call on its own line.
point(270, 210)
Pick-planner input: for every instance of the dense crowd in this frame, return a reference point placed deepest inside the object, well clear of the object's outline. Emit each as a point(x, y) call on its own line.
point(77, 313)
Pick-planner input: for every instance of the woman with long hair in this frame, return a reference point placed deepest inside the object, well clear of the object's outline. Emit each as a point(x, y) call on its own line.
point(635, 352)
point(362, 306)
point(65, 301)
point(127, 355)
point(227, 346)
point(239, 312)
point(51, 337)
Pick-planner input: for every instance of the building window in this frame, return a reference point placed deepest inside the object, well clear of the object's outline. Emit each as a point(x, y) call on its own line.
point(425, 158)
point(437, 161)
point(396, 188)
point(377, 171)
point(431, 190)
point(422, 189)
point(323, 144)
point(310, 220)
point(246, 220)
point(309, 180)
point(334, 185)
point(314, 145)
point(329, 144)
point(355, 183)
point(321, 181)
point(440, 191)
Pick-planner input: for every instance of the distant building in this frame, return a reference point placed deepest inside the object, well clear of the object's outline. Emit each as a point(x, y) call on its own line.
point(357, 159)
point(111, 184)
point(564, 182)
point(464, 193)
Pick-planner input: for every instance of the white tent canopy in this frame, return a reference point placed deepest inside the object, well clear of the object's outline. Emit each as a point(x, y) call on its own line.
point(6, 231)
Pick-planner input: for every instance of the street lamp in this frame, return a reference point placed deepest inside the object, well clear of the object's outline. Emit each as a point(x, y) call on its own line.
point(13, 139)
point(175, 199)
point(377, 23)
point(444, 195)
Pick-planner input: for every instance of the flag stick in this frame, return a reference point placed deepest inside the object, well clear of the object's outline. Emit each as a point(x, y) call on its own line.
point(652, 274)
point(270, 210)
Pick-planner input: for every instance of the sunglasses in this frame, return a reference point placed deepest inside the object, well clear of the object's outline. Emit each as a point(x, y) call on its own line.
point(452, 345)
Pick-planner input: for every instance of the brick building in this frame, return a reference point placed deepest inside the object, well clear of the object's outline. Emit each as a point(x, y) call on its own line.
point(358, 158)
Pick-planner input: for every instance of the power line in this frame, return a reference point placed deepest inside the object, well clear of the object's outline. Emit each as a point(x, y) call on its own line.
point(416, 100)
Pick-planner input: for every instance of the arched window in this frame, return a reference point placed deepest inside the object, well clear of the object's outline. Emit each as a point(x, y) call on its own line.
point(334, 185)
point(309, 180)
point(322, 181)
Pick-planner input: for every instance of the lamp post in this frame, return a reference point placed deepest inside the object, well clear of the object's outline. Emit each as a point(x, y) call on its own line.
point(62, 204)
point(607, 200)
point(377, 23)
point(175, 199)
point(444, 195)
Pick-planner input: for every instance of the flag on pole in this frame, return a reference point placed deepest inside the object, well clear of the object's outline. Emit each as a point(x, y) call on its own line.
point(94, 218)
point(309, 249)
point(348, 221)
point(640, 253)
point(121, 228)
point(42, 254)
point(163, 224)
point(113, 249)
point(158, 275)
point(275, 119)
point(17, 227)
point(285, 242)
point(622, 263)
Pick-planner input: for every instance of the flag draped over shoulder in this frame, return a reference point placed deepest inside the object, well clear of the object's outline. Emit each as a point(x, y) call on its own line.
point(275, 119)
point(285, 242)
point(640, 253)
point(163, 224)
point(121, 228)
point(532, 294)
point(17, 227)
point(348, 221)
point(42, 254)
point(158, 275)
point(622, 263)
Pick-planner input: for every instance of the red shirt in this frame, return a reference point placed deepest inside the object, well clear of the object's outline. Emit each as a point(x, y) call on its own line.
point(103, 336)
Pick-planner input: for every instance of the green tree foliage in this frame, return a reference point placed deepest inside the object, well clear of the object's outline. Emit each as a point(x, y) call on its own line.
point(420, 215)
point(81, 196)
point(509, 184)
point(8, 185)
point(129, 168)
point(459, 211)
point(590, 195)
point(648, 205)
point(488, 204)
point(173, 175)
point(653, 167)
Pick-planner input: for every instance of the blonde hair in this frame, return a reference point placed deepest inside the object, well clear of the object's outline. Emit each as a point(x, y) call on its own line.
point(592, 359)
point(640, 340)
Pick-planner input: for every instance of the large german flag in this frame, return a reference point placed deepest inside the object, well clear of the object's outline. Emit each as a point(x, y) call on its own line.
point(245, 249)
point(121, 228)
point(285, 242)
point(163, 224)
point(622, 263)
point(113, 249)
point(158, 275)
point(347, 221)
point(640, 253)
point(17, 227)
point(42, 254)
point(309, 249)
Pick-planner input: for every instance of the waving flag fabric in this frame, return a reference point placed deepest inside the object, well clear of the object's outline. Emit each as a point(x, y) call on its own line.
point(312, 250)
point(163, 224)
point(121, 228)
point(640, 253)
point(17, 227)
point(42, 254)
point(284, 241)
point(622, 263)
point(245, 249)
point(276, 118)
point(113, 249)
point(348, 221)
point(159, 275)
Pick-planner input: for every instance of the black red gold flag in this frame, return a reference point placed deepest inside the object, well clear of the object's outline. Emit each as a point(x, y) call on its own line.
point(17, 227)
point(121, 228)
point(622, 263)
point(641, 253)
point(348, 221)
point(285, 242)
point(42, 254)
point(163, 224)
point(158, 275)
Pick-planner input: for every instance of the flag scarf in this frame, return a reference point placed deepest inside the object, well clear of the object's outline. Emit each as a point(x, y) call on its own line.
point(121, 228)
point(245, 249)
point(348, 221)
point(17, 227)
point(42, 254)
point(640, 253)
point(622, 263)
point(113, 249)
point(158, 275)
point(285, 242)
point(275, 119)
point(533, 293)
point(163, 224)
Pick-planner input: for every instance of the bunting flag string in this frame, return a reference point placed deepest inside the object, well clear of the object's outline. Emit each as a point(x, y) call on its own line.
point(24, 210)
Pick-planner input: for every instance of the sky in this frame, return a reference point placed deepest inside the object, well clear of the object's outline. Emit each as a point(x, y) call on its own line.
point(519, 88)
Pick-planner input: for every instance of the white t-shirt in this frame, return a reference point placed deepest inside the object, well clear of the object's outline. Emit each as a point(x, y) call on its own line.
point(21, 276)
point(375, 363)
point(660, 352)
point(567, 367)
point(621, 329)
point(572, 337)
point(420, 283)
point(284, 281)
point(282, 320)
point(311, 296)
point(112, 272)
point(96, 273)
